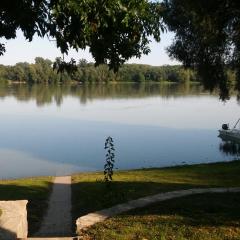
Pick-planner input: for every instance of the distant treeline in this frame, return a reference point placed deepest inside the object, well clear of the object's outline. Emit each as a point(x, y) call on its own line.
point(42, 72)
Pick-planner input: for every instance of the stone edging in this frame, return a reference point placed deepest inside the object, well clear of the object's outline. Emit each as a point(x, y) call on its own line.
point(99, 216)
point(13, 221)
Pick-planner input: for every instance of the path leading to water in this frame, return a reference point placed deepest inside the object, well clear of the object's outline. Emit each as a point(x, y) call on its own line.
point(99, 216)
point(58, 220)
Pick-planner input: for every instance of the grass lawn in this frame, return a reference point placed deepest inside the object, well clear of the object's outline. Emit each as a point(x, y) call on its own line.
point(35, 190)
point(197, 217)
point(89, 192)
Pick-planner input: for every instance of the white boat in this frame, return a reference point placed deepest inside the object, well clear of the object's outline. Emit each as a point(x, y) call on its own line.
point(233, 133)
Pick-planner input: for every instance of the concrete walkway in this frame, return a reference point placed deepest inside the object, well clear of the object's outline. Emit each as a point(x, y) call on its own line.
point(58, 220)
point(99, 216)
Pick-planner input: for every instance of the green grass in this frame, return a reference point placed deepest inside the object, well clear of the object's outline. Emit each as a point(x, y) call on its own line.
point(35, 190)
point(89, 192)
point(197, 217)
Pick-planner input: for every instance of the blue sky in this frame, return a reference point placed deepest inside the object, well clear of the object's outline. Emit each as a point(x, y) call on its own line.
point(20, 50)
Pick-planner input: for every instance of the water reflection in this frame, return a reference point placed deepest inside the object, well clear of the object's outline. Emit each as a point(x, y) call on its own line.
point(47, 94)
point(229, 146)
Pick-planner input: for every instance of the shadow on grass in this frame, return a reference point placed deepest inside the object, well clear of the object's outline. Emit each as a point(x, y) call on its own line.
point(92, 196)
point(6, 234)
point(37, 197)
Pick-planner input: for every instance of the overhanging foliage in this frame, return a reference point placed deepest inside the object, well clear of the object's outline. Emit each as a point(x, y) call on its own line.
point(207, 31)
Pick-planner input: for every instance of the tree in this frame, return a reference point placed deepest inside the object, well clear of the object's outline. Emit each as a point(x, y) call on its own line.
point(43, 68)
point(19, 73)
point(31, 73)
point(114, 31)
point(31, 16)
point(138, 77)
point(207, 38)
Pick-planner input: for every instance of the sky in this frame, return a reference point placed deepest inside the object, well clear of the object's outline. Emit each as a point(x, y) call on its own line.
point(20, 50)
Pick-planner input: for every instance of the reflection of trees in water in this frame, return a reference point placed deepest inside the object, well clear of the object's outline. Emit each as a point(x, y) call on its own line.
point(230, 148)
point(46, 94)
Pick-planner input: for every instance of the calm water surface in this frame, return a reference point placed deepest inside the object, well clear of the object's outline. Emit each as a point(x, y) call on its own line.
point(55, 130)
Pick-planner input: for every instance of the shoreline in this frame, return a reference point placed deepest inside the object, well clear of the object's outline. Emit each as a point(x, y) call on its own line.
point(119, 170)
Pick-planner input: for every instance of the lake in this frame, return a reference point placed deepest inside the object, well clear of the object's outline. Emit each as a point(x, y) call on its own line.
point(57, 130)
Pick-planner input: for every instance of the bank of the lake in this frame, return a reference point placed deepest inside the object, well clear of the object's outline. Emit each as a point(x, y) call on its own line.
point(89, 193)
